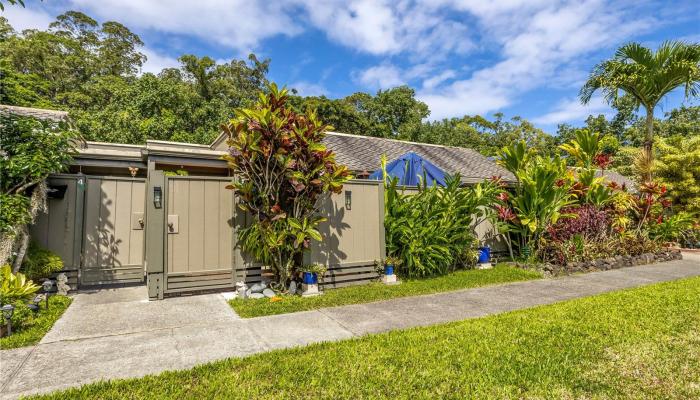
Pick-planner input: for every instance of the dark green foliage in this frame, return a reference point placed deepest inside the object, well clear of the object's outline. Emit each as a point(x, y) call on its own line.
point(483, 135)
point(392, 113)
point(432, 231)
point(40, 263)
point(91, 70)
point(14, 212)
point(31, 150)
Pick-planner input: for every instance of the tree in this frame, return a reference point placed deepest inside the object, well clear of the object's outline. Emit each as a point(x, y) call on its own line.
point(340, 113)
point(90, 70)
point(648, 76)
point(118, 53)
point(31, 150)
point(678, 168)
point(282, 173)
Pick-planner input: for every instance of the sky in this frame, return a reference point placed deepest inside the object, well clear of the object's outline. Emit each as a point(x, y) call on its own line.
point(518, 57)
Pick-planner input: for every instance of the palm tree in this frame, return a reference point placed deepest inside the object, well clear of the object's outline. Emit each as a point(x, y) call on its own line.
point(648, 76)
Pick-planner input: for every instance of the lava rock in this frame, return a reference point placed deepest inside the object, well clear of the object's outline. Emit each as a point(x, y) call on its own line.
point(257, 288)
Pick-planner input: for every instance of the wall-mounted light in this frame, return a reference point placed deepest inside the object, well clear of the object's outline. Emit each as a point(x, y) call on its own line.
point(348, 200)
point(157, 197)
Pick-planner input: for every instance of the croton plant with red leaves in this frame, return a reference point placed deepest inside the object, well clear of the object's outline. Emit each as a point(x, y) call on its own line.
point(281, 173)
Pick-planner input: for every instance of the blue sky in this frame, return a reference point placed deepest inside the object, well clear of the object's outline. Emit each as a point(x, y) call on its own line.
point(518, 57)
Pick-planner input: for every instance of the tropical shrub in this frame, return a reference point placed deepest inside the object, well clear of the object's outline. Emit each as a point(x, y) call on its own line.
point(40, 263)
point(678, 168)
point(676, 228)
point(579, 248)
point(432, 231)
point(22, 316)
point(598, 218)
point(282, 174)
point(30, 150)
point(15, 287)
point(543, 190)
point(586, 221)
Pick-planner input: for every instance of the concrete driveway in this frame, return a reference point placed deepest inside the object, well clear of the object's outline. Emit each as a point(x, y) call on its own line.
point(117, 333)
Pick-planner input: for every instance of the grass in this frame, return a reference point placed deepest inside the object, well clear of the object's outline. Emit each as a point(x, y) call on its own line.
point(32, 334)
point(248, 308)
point(637, 343)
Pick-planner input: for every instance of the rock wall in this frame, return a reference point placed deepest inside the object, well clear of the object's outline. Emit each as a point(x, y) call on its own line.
point(616, 262)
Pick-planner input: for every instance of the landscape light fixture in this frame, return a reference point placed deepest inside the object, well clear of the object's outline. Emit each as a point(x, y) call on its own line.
point(7, 311)
point(34, 306)
point(47, 286)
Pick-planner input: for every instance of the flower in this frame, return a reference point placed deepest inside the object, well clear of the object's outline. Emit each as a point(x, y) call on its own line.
point(505, 213)
point(503, 196)
point(602, 160)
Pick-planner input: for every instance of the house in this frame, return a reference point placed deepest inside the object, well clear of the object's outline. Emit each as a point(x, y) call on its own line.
point(160, 212)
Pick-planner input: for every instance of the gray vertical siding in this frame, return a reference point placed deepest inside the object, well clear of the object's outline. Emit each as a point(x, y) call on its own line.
point(200, 251)
point(112, 248)
point(60, 228)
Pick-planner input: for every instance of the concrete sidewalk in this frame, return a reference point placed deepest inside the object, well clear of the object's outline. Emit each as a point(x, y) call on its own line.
point(118, 334)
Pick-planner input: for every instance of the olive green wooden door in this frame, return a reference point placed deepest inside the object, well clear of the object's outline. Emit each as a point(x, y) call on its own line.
point(199, 233)
point(113, 247)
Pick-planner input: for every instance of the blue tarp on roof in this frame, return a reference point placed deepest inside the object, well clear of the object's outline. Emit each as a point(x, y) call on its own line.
point(411, 169)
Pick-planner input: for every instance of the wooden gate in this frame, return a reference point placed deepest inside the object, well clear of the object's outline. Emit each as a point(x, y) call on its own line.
point(199, 228)
point(113, 242)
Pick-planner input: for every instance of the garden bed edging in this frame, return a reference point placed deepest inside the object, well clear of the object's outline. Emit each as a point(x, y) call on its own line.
point(604, 264)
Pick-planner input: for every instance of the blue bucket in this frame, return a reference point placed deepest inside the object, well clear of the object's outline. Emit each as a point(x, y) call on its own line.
point(310, 278)
point(484, 255)
point(388, 270)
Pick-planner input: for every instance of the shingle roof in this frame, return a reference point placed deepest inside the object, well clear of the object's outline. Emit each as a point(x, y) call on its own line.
point(618, 178)
point(40, 113)
point(363, 153)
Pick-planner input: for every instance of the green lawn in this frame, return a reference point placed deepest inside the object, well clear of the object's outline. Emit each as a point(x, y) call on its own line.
point(463, 279)
point(40, 325)
point(633, 344)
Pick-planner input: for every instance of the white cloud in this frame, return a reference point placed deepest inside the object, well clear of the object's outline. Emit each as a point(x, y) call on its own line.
point(237, 24)
point(308, 89)
point(24, 18)
point(381, 77)
point(435, 80)
point(572, 109)
point(537, 43)
point(542, 42)
point(367, 25)
point(156, 62)
point(379, 27)
point(464, 97)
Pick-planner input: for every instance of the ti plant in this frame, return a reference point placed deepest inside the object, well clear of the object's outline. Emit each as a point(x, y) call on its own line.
point(282, 175)
point(538, 199)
